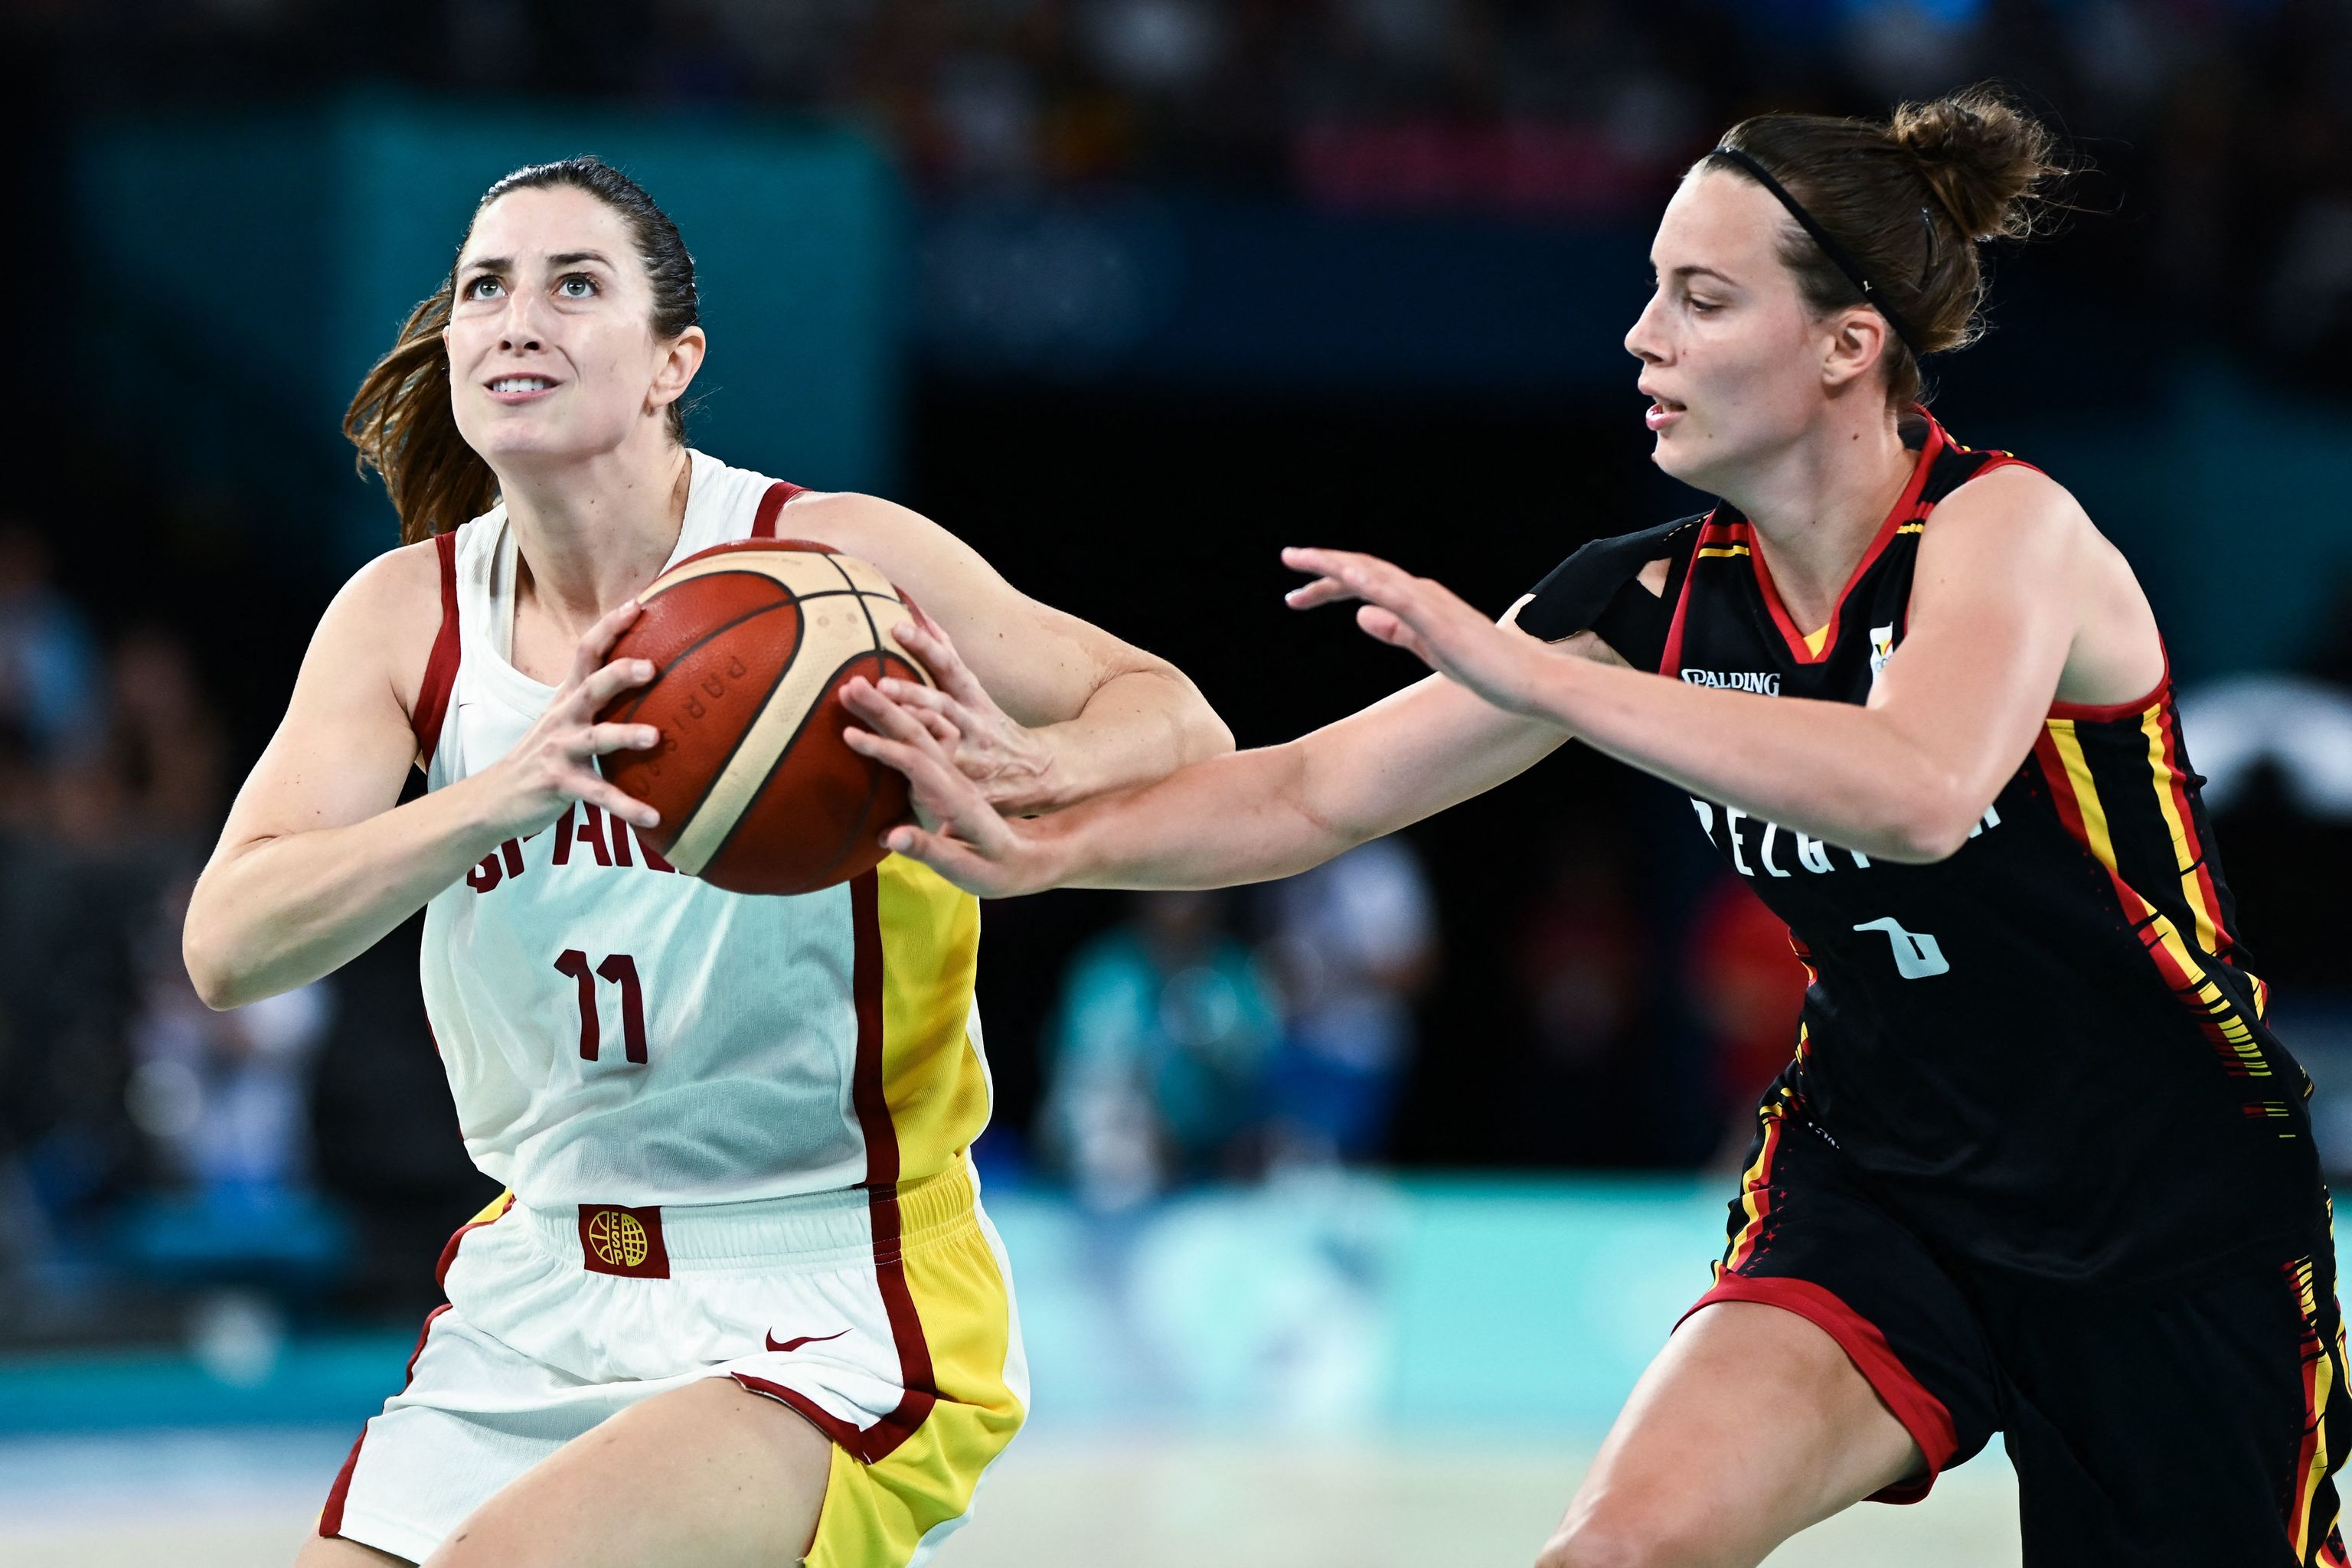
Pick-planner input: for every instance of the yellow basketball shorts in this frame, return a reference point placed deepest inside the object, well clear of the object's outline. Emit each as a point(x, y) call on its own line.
point(886, 1317)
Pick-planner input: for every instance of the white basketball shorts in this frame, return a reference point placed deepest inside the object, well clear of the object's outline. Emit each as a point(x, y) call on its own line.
point(886, 1317)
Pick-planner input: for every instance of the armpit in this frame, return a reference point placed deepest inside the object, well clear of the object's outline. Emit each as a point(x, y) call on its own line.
point(1588, 645)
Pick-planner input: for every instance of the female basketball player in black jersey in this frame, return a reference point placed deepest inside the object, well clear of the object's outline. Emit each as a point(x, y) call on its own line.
point(2038, 1166)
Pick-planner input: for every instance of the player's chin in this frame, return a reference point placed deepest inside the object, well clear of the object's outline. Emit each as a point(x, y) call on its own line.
point(1678, 456)
point(529, 432)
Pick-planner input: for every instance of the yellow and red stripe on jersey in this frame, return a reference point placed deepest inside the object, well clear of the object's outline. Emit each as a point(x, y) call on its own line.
point(2074, 789)
point(2162, 728)
point(2312, 1507)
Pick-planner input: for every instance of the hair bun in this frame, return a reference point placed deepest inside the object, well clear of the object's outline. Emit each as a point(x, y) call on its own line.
point(1984, 158)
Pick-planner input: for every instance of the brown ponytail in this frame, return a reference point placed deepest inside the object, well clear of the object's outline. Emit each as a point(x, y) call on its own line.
point(401, 422)
point(400, 419)
point(1909, 200)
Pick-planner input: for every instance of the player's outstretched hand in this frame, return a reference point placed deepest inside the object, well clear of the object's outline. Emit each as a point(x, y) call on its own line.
point(960, 834)
point(555, 762)
point(1013, 767)
point(1427, 619)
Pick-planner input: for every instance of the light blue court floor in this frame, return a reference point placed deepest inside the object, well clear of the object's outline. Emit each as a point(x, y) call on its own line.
point(243, 1498)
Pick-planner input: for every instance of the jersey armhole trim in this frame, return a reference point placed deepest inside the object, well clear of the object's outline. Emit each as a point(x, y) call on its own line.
point(763, 522)
point(2003, 460)
point(2108, 712)
point(441, 666)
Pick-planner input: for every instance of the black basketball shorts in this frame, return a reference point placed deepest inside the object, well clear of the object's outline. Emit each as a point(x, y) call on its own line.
point(2198, 1429)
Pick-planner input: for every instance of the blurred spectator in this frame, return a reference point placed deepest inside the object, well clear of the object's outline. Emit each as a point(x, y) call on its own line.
point(1579, 964)
point(1354, 942)
point(2277, 751)
point(1611, 1078)
point(48, 662)
point(1575, 111)
point(2300, 728)
point(110, 790)
point(221, 1094)
point(154, 777)
point(1155, 1064)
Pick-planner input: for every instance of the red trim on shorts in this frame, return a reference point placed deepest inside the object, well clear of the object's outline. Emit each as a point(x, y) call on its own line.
point(1922, 1414)
point(763, 522)
point(449, 1247)
point(441, 665)
point(330, 1517)
point(916, 1378)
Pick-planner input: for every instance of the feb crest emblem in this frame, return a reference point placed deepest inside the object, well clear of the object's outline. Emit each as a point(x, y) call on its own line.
point(623, 1241)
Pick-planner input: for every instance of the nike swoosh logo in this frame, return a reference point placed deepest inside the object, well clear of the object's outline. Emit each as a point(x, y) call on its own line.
point(804, 1340)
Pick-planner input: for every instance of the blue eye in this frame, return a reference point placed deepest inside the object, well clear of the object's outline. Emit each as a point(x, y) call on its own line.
point(585, 286)
point(483, 288)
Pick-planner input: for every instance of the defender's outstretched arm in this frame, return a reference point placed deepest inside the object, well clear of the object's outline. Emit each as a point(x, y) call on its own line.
point(1250, 816)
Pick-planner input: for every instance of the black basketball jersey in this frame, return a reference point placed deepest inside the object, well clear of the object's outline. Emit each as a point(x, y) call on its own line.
point(2044, 1054)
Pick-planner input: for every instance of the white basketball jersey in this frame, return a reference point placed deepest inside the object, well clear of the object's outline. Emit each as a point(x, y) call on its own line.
point(617, 1033)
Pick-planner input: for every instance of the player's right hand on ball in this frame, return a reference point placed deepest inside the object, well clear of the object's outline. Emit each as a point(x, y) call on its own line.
point(555, 763)
point(960, 835)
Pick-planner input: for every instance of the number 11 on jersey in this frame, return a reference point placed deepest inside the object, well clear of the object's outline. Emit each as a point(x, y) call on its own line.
point(622, 971)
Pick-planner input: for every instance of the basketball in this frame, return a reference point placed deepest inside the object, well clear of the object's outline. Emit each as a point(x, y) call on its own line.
point(751, 643)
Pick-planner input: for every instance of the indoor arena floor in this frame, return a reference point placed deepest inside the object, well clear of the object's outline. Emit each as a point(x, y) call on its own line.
point(214, 1499)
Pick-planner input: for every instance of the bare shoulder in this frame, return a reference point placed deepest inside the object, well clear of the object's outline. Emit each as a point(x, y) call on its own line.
point(2013, 504)
point(383, 623)
point(865, 526)
point(951, 579)
point(2017, 538)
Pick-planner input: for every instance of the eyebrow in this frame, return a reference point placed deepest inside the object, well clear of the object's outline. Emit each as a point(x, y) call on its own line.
point(563, 258)
point(1685, 273)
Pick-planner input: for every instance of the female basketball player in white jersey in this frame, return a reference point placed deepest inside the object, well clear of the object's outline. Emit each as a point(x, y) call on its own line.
point(2038, 1166)
point(740, 1305)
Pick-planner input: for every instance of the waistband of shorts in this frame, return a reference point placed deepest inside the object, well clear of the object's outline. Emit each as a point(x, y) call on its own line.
point(806, 1231)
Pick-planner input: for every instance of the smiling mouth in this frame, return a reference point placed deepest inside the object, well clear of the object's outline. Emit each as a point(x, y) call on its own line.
point(521, 383)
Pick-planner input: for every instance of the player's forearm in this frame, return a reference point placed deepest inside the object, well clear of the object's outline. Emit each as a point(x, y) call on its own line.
point(1241, 817)
point(1137, 727)
point(283, 911)
point(1845, 775)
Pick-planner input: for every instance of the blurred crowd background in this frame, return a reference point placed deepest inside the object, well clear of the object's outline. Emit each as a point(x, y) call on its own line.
point(1136, 351)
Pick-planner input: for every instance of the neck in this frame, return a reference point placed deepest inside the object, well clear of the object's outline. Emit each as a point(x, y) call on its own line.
point(1816, 503)
point(590, 534)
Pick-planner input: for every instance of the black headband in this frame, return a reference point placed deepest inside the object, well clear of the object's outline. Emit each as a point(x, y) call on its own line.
point(1830, 247)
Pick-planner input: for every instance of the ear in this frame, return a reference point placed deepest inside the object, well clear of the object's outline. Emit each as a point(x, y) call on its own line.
point(1856, 339)
point(674, 371)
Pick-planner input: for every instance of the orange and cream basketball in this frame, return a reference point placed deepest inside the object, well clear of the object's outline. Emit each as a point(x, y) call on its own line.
point(751, 641)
